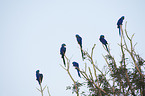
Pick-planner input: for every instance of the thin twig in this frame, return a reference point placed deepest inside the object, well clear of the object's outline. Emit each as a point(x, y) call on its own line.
point(41, 89)
point(48, 91)
point(68, 64)
point(131, 52)
point(123, 58)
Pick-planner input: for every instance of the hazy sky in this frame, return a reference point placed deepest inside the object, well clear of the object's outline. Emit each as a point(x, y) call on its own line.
point(32, 31)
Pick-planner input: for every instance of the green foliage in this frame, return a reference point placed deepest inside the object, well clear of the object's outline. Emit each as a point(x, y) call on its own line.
point(116, 80)
point(119, 80)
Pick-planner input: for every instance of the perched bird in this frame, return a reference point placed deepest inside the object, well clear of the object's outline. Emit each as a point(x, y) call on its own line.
point(102, 39)
point(76, 65)
point(39, 77)
point(120, 21)
point(62, 52)
point(79, 40)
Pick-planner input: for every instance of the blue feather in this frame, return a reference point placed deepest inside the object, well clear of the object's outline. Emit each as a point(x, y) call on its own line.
point(76, 65)
point(79, 40)
point(119, 22)
point(62, 52)
point(103, 41)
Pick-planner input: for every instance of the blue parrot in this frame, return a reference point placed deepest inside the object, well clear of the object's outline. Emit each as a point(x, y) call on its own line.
point(39, 77)
point(76, 65)
point(79, 40)
point(62, 52)
point(102, 39)
point(120, 21)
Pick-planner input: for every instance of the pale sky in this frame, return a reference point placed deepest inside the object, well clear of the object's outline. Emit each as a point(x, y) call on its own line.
point(32, 31)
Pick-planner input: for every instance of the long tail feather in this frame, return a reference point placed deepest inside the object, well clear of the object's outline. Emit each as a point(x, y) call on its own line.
point(79, 73)
point(119, 31)
point(64, 61)
point(106, 48)
point(82, 54)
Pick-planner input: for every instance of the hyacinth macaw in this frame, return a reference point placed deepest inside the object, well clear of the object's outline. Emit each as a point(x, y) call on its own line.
point(62, 52)
point(39, 77)
point(102, 39)
point(76, 65)
point(120, 21)
point(79, 40)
